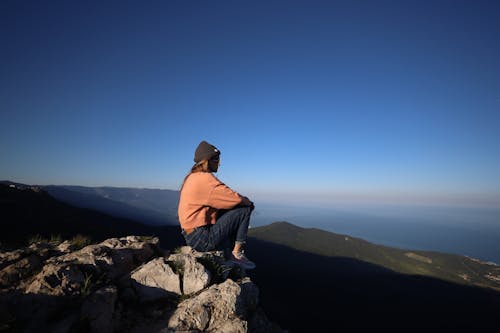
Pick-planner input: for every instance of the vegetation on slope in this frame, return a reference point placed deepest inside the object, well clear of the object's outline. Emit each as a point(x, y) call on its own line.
point(454, 268)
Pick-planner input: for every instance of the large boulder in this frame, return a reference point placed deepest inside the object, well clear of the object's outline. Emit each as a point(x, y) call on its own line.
point(220, 308)
point(155, 280)
point(195, 276)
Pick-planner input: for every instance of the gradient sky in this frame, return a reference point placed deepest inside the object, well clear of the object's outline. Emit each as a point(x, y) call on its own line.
point(324, 100)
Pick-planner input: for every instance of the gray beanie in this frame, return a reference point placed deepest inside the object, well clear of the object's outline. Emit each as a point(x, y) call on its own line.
point(205, 151)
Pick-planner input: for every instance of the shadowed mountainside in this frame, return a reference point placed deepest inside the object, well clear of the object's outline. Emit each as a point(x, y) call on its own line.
point(149, 206)
point(27, 212)
point(306, 292)
point(449, 267)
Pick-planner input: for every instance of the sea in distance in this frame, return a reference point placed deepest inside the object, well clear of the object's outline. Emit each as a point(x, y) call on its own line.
point(470, 231)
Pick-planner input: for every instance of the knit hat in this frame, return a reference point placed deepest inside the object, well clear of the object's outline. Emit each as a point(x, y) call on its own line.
point(205, 151)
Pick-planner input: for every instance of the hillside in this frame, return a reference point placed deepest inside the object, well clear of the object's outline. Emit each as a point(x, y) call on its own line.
point(148, 206)
point(306, 292)
point(448, 267)
point(29, 211)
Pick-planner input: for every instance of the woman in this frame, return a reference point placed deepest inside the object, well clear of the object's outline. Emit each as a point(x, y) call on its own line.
point(210, 213)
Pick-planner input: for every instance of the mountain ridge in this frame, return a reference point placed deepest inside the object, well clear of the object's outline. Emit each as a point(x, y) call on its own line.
point(449, 267)
point(145, 205)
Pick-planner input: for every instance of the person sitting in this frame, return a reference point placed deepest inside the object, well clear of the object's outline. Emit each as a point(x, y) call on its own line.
point(210, 213)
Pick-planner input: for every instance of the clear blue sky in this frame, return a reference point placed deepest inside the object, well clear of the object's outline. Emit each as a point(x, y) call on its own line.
point(313, 100)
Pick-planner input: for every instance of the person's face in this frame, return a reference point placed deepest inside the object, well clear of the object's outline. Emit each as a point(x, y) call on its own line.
point(214, 163)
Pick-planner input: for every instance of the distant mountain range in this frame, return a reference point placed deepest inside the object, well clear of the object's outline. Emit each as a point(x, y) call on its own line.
point(310, 280)
point(148, 206)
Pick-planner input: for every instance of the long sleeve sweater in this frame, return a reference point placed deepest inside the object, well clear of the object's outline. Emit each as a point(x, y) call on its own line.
point(202, 196)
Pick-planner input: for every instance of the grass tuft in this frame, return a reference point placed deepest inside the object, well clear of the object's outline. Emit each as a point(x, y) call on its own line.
point(80, 241)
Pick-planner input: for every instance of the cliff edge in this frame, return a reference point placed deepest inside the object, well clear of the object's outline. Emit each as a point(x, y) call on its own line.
point(125, 284)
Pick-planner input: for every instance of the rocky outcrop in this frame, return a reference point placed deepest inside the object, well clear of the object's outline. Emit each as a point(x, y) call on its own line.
point(217, 309)
point(155, 280)
point(125, 285)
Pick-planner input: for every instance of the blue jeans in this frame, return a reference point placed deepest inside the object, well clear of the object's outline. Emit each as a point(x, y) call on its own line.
point(230, 227)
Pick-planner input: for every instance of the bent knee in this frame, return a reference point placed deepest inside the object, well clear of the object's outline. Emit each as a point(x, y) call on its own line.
point(248, 209)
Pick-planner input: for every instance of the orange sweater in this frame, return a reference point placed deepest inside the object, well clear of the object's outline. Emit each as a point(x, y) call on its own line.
point(202, 196)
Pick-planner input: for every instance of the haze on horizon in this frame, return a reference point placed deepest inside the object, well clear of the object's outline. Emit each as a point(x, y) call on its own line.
point(317, 102)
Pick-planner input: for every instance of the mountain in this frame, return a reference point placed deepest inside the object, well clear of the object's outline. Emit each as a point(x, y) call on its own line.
point(149, 206)
point(448, 267)
point(309, 280)
point(312, 281)
point(27, 211)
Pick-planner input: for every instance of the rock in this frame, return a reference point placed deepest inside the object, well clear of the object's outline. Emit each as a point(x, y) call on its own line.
point(40, 250)
point(196, 277)
point(43, 250)
point(124, 284)
point(155, 280)
point(214, 263)
point(99, 308)
point(217, 309)
point(114, 257)
point(14, 273)
point(58, 279)
point(8, 258)
point(65, 247)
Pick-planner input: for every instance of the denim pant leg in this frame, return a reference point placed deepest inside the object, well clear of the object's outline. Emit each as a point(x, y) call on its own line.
point(199, 239)
point(233, 225)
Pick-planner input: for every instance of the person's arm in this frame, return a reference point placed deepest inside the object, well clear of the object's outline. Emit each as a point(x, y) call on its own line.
point(247, 202)
point(223, 197)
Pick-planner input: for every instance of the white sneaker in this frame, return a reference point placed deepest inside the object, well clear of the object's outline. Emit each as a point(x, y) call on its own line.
point(241, 260)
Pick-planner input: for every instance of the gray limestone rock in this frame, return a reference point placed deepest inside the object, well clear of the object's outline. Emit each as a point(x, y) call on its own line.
point(124, 284)
point(114, 257)
point(58, 280)
point(9, 257)
point(196, 277)
point(14, 273)
point(217, 309)
point(155, 280)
